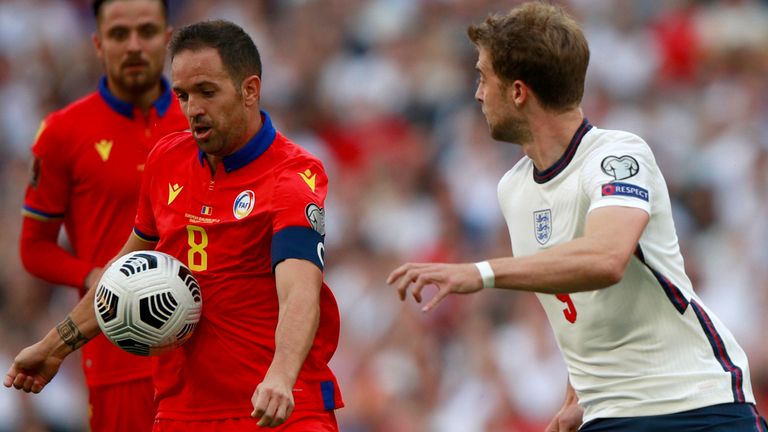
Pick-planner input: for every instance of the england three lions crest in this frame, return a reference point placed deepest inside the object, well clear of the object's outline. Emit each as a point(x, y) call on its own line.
point(542, 225)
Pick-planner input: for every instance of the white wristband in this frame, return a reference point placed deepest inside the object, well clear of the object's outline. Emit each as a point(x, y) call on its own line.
point(486, 273)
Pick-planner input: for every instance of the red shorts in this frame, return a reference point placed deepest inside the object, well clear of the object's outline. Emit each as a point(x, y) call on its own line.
point(123, 407)
point(299, 421)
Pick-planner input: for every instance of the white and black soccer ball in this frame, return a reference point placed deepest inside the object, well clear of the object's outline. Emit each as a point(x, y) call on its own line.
point(147, 303)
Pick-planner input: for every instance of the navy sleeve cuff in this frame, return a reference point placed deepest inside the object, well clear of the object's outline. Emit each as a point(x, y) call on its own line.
point(298, 242)
point(145, 237)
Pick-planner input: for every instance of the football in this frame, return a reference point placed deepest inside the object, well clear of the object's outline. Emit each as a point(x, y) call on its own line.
point(147, 303)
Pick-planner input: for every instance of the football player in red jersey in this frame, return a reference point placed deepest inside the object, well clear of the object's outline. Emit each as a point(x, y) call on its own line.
point(242, 206)
point(88, 163)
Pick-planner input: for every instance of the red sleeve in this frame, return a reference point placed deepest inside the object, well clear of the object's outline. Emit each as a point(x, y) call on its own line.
point(302, 183)
point(43, 257)
point(298, 220)
point(45, 203)
point(48, 191)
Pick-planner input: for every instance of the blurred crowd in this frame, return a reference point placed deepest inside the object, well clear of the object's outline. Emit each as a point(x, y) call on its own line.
point(382, 91)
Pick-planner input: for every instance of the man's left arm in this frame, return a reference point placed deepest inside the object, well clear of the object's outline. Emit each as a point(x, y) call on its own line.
point(620, 182)
point(298, 289)
point(596, 260)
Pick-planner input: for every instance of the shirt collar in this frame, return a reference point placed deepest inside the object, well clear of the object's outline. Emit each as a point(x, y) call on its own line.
point(254, 148)
point(125, 109)
point(558, 167)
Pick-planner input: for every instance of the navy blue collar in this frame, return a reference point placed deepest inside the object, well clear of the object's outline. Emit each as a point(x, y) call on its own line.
point(252, 149)
point(556, 168)
point(125, 109)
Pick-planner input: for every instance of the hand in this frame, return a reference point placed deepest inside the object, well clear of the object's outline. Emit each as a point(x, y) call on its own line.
point(32, 369)
point(272, 401)
point(568, 419)
point(449, 278)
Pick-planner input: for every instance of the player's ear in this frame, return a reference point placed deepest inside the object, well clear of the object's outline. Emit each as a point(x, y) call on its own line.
point(519, 93)
point(251, 90)
point(96, 39)
point(168, 34)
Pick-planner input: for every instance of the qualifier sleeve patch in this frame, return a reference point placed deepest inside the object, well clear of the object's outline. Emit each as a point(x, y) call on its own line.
point(316, 217)
point(620, 168)
point(625, 189)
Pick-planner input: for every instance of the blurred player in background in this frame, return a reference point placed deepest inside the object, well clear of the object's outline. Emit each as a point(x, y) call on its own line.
point(242, 207)
point(592, 233)
point(88, 164)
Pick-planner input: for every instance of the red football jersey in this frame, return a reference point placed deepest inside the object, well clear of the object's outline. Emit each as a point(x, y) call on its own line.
point(89, 161)
point(264, 204)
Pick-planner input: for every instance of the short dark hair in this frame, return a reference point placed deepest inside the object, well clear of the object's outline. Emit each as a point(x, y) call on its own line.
point(97, 4)
point(540, 45)
point(238, 53)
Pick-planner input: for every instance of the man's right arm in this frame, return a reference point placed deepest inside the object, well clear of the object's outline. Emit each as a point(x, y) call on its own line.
point(43, 257)
point(46, 200)
point(36, 365)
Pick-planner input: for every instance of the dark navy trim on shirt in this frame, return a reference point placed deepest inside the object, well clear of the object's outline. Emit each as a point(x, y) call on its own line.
point(41, 214)
point(674, 293)
point(125, 109)
point(254, 148)
point(550, 173)
point(163, 102)
point(680, 303)
point(721, 354)
point(145, 237)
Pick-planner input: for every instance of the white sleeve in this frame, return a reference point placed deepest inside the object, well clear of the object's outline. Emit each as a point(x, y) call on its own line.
point(620, 173)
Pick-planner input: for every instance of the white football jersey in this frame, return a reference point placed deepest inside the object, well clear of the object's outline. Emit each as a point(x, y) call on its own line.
point(647, 345)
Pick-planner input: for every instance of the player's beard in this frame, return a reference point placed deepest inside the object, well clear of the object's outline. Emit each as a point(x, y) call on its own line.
point(137, 83)
point(512, 129)
point(217, 141)
point(227, 133)
point(509, 126)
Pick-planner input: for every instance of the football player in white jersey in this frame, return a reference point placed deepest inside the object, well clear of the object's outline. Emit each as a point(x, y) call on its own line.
point(592, 234)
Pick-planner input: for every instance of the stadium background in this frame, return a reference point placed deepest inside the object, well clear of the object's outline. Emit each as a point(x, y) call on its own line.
point(382, 91)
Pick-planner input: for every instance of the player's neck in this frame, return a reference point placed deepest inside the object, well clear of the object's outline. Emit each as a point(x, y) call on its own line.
point(253, 128)
point(142, 100)
point(213, 163)
point(551, 135)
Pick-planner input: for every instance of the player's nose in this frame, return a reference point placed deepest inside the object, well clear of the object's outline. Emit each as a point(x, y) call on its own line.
point(134, 42)
point(195, 109)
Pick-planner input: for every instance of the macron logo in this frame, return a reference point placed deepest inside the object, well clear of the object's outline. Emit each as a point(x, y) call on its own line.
point(104, 147)
point(625, 189)
point(309, 178)
point(173, 192)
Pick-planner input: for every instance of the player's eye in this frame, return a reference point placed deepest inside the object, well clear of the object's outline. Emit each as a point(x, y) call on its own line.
point(183, 97)
point(148, 31)
point(208, 93)
point(118, 33)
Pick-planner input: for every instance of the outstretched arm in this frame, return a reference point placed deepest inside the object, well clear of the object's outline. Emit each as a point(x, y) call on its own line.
point(36, 365)
point(596, 260)
point(298, 289)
